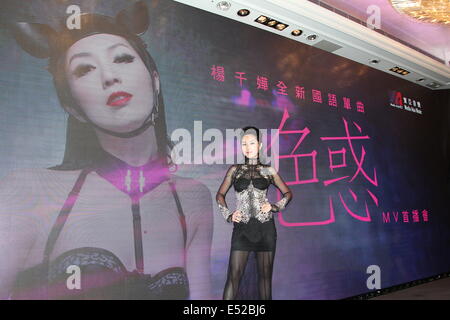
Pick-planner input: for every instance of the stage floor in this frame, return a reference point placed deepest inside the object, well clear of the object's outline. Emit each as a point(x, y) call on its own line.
point(434, 290)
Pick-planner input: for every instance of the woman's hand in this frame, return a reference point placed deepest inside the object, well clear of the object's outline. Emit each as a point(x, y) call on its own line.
point(237, 216)
point(266, 207)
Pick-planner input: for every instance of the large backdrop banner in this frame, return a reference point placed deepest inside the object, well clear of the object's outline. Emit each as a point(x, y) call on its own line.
point(119, 120)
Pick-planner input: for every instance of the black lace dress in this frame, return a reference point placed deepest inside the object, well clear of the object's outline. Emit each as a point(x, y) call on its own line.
point(256, 231)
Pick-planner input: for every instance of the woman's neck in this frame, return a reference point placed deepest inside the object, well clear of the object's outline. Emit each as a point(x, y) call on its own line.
point(135, 151)
point(252, 161)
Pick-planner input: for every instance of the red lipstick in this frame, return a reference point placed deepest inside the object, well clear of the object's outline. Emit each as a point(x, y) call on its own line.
point(119, 99)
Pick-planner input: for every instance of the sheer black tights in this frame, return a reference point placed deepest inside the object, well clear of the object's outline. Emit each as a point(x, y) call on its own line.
point(236, 268)
point(264, 261)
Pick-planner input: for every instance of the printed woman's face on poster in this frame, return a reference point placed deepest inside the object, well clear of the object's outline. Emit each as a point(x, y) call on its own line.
point(109, 82)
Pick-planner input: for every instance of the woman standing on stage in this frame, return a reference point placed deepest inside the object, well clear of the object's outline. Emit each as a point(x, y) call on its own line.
point(254, 227)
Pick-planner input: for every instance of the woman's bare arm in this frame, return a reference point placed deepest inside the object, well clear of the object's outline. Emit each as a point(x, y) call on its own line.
point(198, 254)
point(17, 229)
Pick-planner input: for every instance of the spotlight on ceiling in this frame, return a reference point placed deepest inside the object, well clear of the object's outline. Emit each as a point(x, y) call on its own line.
point(399, 70)
point(280, 26)
point(296, 32)
point(262, 19)
point(243, 12)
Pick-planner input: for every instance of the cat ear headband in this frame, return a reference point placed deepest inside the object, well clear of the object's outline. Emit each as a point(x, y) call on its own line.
point(42, 41)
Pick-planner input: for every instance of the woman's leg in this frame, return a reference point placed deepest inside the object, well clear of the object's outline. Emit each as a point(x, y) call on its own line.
point(265, 267)
point(236, 267)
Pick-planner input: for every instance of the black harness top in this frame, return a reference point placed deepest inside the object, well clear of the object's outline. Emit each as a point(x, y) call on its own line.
point(103, 274)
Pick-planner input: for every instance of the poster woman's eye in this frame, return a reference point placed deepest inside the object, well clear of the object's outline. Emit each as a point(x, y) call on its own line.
point(124, 58)
point(82, 70)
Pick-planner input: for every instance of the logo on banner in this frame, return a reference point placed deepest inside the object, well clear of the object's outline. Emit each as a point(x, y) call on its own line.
point(399, 101)
point(74, 280)
point(374, 280)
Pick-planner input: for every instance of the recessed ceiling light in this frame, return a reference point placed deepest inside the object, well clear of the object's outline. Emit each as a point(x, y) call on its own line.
point(281, 26)
point(243, 12)
point(267, 21)
point(399, 70)
point(262, 19)
point(296, 32)
point(311, 37)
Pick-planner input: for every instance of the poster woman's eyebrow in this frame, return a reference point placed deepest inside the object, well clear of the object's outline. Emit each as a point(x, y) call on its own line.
point(117, 45)
point(77, 55)
point(84, 54)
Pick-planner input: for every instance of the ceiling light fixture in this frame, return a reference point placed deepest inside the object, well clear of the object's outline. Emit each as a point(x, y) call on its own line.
point(280, 26)
point(296, 32)
point(262, 19)
point(434, 11)
point(399, 70)
point(224, 5)
point(243, 12)
point(434, 85)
